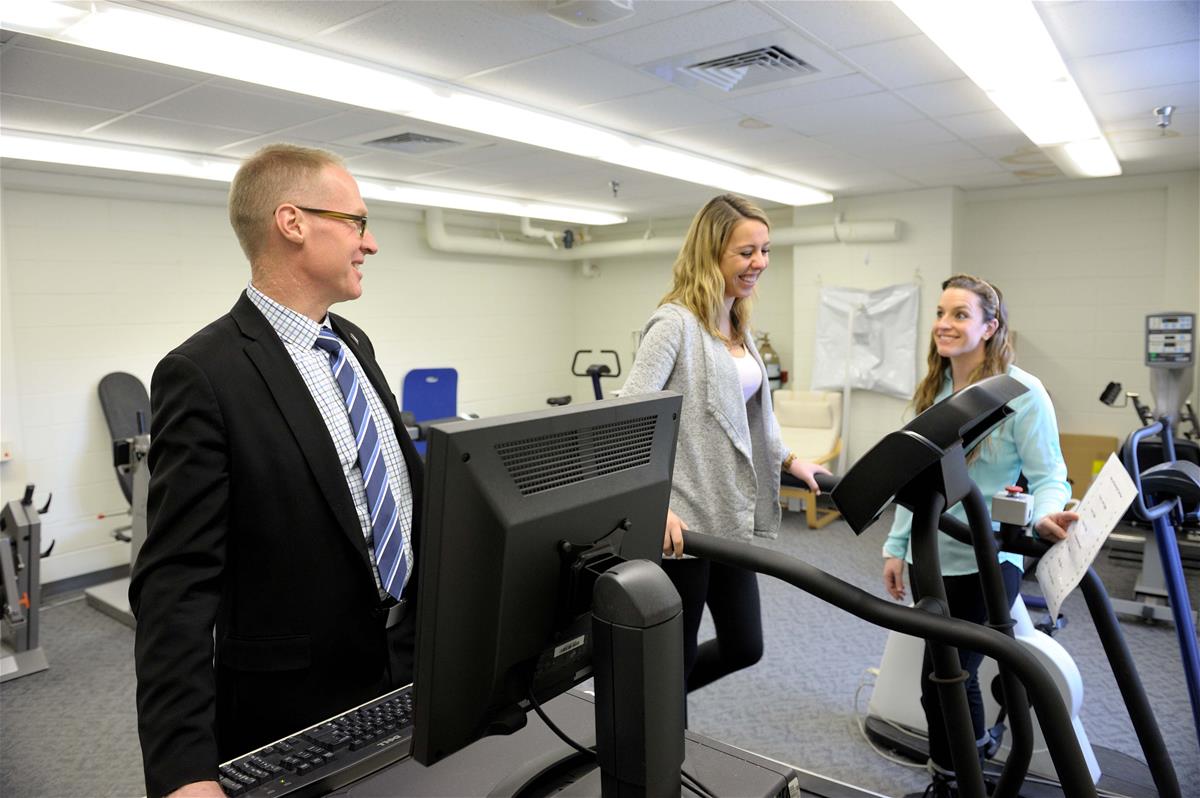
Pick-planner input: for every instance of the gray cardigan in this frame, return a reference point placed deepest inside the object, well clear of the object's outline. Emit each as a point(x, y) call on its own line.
point(727, 464)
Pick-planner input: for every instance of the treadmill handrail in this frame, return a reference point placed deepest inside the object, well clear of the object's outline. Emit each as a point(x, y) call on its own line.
point(1116, 649)
point(1068, 758)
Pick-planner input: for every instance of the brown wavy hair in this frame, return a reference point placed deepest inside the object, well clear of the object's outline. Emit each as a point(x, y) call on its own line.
point(998, 352)
point(697, 283)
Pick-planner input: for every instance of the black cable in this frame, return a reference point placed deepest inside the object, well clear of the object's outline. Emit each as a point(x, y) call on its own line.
point(551, 725)
point(699, 788)
point(686, 779)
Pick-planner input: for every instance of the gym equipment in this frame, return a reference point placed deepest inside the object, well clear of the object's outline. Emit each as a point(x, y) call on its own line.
point(896, 721)
point(1170, 354)
point(127, 410)
point(1168, 485)
point(20, 552)
point(923, 467)
point(596, 370)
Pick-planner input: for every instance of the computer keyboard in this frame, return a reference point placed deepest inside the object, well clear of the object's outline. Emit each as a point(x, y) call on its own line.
point(328, 755)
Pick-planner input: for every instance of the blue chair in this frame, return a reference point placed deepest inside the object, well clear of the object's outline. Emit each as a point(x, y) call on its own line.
point(430, 394)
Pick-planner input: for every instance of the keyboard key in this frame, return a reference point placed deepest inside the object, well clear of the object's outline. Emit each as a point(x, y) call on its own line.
point(231, 788)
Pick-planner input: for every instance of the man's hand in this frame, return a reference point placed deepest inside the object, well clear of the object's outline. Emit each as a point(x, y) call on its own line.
point(199, 789)
point(893, 577)
point(673, 536)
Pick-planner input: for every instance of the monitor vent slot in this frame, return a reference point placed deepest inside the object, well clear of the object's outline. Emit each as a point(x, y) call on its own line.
point(551, 461)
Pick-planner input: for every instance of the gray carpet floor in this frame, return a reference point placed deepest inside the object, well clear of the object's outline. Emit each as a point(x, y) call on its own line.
point(71, 731)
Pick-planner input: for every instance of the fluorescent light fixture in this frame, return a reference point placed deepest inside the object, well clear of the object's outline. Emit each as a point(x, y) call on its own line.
point(169, 38)
point(147, 160)
point(1004, 47)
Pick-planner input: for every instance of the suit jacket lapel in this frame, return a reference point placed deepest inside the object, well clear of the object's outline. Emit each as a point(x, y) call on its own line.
point(295, 403)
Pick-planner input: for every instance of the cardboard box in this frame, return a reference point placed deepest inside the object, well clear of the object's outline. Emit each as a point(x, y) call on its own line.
point(1085, 455)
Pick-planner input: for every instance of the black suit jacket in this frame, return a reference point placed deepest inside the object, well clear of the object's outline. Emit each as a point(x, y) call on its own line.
point(257, 613)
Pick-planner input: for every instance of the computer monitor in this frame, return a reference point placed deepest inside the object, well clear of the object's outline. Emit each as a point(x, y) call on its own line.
point(510, 503)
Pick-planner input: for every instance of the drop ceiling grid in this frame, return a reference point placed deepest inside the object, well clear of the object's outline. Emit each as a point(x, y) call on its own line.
point(447, 40)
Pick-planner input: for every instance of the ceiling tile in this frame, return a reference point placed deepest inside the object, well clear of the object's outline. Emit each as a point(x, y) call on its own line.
point(289, 19)
point(1092, 28)
point(663, 109)
point(929, 155)
point(447, 40)
point(44, 116)
point(808, 93)
point(841, 24)
point(533, 13)
point(355, 124)
point(901, 136)
point(48, 76)
point(726, 139)
point(391, 165)
point(148, 131)
point(979, 125)
point(947, 171)
point(564, 80)
point(698, 30)
point(910, 61)
point(228, 107)
point(1124, 104)
point(1000, 146)
point(1167, 65)
point(845, 115)
point(249, 146)
point(948, 98)
point(1180, 155)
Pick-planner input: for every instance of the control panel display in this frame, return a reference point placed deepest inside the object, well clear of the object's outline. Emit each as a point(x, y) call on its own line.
point(1170, 339)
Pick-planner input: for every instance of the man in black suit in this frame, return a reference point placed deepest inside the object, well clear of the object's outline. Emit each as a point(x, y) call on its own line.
point(268, 596)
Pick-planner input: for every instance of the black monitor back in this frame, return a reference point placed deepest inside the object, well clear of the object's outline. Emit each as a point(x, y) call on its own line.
point(501, 495)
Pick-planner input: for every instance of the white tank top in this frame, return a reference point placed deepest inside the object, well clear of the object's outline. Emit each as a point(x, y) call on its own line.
point(749, 374)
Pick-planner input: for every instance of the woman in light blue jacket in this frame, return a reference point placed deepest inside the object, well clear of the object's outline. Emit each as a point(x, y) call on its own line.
point(729, 456)
point(970, 341)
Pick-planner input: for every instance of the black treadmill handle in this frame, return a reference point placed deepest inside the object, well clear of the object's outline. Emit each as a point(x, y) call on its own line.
point(827, 482)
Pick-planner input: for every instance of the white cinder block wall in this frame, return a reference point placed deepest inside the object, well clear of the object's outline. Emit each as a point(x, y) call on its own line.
point(93, 285)
point(1081, 264)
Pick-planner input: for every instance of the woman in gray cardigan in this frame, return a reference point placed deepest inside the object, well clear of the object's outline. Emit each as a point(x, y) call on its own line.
point(729, 456)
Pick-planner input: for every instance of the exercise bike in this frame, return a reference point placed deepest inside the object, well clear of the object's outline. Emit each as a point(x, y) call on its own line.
point(595, 371)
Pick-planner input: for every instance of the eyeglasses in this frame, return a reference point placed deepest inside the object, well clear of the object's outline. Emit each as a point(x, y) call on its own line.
point(359, 221)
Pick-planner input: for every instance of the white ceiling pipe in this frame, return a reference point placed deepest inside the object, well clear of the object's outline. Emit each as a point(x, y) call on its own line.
point(529, 231)
point(442, 241)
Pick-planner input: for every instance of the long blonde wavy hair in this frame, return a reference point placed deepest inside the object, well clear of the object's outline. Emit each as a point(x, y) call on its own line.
point(697, 282)
point(998, 352)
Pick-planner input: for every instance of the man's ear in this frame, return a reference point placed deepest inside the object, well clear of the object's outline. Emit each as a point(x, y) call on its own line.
point(289, 223)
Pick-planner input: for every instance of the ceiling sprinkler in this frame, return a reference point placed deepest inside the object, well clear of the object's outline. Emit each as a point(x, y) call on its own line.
point(1163, 114)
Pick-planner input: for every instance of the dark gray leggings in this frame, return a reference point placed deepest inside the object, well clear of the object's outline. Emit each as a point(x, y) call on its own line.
point(732, 598)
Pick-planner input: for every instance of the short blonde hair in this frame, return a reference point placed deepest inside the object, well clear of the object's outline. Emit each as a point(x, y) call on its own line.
point(697, 282)
point(276, 174)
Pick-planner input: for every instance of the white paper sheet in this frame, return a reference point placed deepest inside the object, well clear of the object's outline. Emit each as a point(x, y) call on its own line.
point(1111, 493)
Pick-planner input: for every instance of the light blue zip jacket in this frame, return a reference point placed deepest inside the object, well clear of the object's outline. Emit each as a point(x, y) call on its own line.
point(1027, 442)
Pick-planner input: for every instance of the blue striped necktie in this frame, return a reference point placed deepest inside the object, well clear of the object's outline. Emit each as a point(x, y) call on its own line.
point(385, 515)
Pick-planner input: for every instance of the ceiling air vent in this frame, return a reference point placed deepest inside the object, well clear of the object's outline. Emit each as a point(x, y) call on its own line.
point(412, 143)
point(751, 68)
